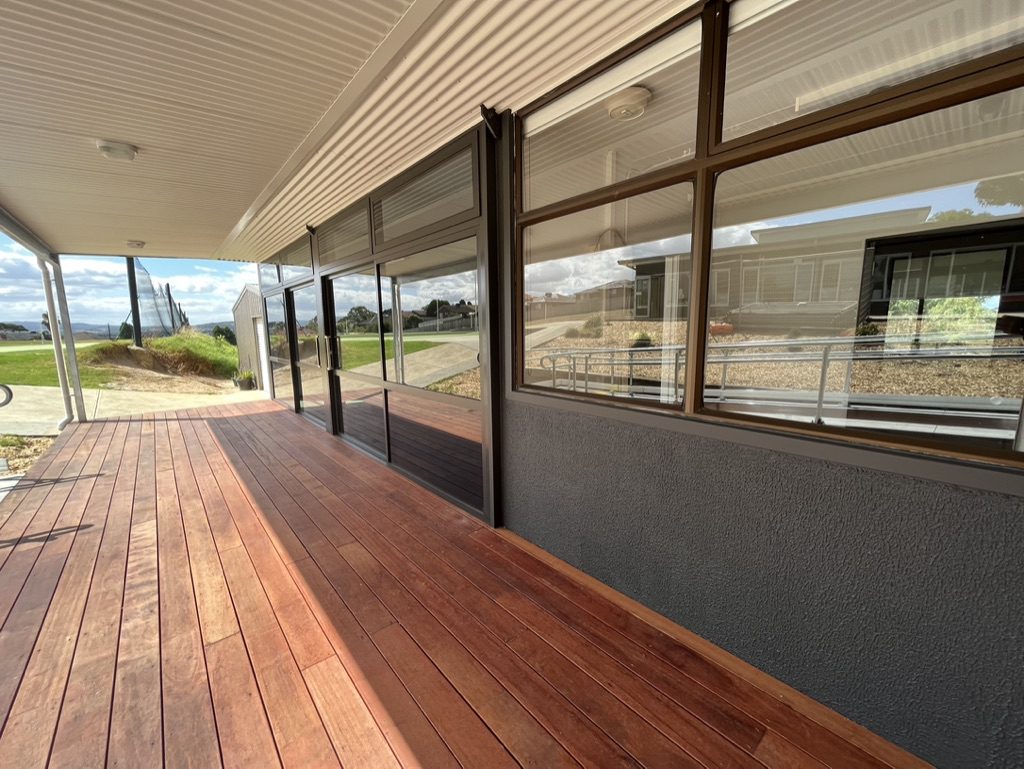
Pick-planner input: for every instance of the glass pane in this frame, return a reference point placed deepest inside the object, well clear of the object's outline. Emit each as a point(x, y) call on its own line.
point(346, 235)
point(435, 195)
point(356, 322)
point(296, 261)
point(282, 374)
point(362, 410)
point(791, 58)
point(358, 344)
point(606, 298)
point(637, 117)
point(313, 399)
point(439, 442)
point(277, 327)
point(307, 326)
point(439, 340)
point(268, 275)
point(881, 279)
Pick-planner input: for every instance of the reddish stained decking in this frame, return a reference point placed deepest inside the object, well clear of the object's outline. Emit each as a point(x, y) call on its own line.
point(235, 586)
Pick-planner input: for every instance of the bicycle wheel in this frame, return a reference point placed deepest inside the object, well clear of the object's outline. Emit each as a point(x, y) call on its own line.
point(5, 395)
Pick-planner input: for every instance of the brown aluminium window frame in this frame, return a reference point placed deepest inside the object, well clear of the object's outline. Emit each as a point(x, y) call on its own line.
point(986, 75)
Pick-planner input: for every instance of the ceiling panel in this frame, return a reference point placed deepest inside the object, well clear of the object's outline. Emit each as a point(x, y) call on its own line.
point(216, 95)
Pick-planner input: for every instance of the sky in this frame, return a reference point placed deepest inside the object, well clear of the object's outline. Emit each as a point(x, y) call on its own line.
point(97, 286)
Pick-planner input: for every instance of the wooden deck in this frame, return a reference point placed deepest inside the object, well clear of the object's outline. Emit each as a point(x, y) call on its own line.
point(235, 587)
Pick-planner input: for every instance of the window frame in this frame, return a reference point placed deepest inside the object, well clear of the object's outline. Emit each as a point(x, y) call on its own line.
point(986, 75)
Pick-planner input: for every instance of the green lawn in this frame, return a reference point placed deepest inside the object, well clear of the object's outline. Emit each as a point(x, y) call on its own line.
point(37, 367)
point(360, 352)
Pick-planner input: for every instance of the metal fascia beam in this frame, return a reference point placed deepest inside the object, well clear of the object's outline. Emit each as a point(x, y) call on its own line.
point(369, 75)
point(19, 233)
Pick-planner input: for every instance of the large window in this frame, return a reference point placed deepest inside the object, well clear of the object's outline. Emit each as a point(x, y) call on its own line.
point(637, 117)
point(789, 59)
point(862, 269)
point(605, 297)
point(912, 324)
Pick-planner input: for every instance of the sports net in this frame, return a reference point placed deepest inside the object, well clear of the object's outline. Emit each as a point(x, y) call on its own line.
point(159, 314)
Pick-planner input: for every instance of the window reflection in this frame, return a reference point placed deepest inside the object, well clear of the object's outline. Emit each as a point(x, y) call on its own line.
point(436, 345)
point(635, 118)
point(881, 290)
point(607, 296)
point(788, 59)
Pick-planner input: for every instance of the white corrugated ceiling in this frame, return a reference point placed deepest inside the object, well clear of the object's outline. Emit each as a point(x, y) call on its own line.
point(255, 117)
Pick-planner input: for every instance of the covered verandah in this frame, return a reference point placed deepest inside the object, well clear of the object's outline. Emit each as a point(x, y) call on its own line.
point(233, 586)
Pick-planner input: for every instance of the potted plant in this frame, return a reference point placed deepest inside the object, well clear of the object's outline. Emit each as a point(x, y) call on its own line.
point(244, 380)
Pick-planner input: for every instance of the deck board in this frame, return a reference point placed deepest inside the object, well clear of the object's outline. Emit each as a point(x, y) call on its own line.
point(233, 586)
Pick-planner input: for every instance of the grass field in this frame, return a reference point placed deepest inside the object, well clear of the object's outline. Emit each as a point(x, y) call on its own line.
point(37, 367)
point(185, 353)
point(360, 352)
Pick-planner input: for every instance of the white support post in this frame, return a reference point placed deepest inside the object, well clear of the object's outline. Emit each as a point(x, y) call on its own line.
point(69, 340)
point(58, 352)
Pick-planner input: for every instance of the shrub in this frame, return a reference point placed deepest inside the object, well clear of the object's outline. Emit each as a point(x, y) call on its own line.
point(641, 339)
point(869, 329)
point(593, 327)
point(573, 333)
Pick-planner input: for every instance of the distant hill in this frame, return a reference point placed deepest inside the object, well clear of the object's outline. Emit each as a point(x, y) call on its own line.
point(100, 329)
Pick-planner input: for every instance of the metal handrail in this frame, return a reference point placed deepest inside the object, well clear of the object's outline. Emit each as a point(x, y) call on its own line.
point(833, 350)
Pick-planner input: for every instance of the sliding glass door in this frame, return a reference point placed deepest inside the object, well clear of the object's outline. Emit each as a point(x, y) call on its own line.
point(356, 370)
point(405, 349)
point(312, 400)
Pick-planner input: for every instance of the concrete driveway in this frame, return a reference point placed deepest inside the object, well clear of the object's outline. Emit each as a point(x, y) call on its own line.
point(38, 410)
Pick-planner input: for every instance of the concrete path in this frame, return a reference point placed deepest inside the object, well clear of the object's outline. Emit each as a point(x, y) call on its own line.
point(38, 410)
point(48, 346)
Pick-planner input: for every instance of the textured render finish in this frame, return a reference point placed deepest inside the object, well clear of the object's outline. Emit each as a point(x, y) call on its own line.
point(897, 602)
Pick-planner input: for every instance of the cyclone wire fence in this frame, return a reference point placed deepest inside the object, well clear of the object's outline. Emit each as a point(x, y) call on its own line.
point(159, 314)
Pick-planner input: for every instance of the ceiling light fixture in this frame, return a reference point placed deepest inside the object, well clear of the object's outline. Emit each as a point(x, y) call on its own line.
point(135, 243)
point(628, 104)
point(112, 150)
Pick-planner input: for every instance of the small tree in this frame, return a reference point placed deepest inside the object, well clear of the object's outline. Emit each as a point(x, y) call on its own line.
point(47, 334)
point(434, 307)
point(225, 333)
point(127, 331)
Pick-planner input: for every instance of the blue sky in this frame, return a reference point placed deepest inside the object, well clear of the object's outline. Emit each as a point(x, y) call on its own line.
point(97, 286)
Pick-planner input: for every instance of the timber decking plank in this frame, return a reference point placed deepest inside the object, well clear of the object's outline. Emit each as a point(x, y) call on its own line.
point(356, 736)
point(190, 730)
point(136, 721)
point(28, 734)
point(242, 726)
point(83, 726)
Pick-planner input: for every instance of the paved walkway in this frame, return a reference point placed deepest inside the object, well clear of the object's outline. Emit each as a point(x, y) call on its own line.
point(38, 410)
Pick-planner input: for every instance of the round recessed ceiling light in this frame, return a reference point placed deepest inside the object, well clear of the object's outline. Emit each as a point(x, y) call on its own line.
point(112, 150)
point(135, 243)
point(628, 104)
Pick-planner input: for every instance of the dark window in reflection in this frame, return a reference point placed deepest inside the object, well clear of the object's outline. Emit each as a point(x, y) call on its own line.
point(435, 195)
point(438, 442)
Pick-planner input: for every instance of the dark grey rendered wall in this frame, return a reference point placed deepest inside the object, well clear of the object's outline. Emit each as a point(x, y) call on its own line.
point(898, 602)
